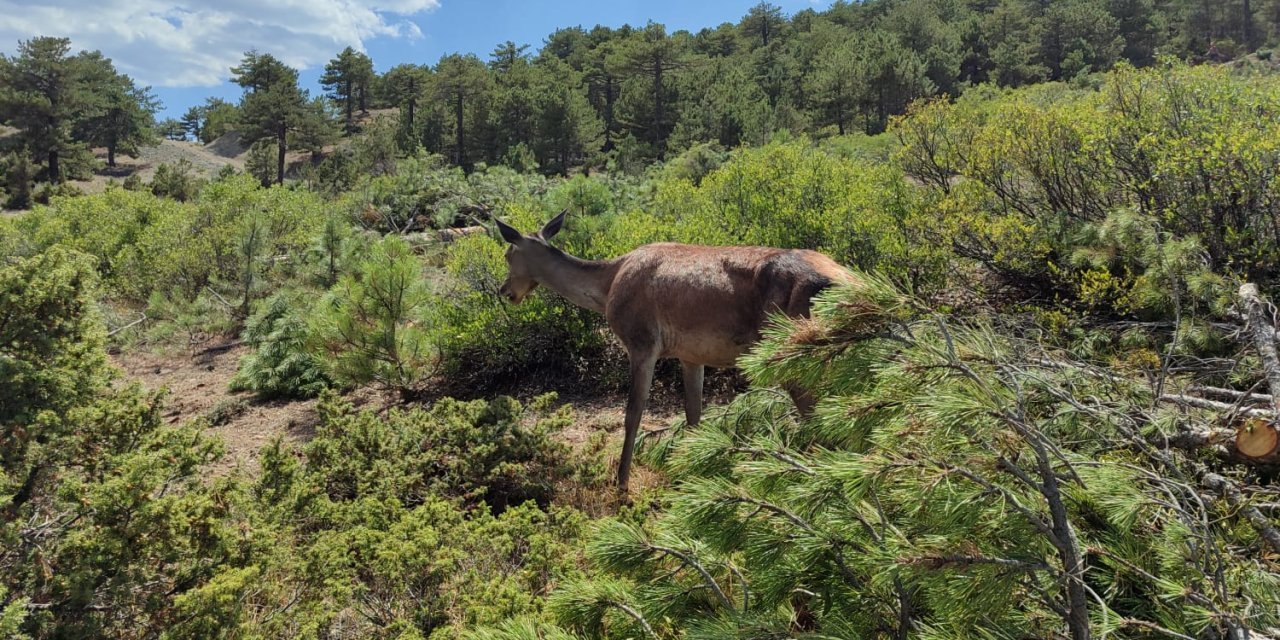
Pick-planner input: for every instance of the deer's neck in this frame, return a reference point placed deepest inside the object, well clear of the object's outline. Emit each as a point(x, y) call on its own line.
point(585, 283)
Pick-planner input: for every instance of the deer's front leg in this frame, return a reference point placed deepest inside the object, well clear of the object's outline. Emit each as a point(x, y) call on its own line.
point(693, 375)
point(641, 379)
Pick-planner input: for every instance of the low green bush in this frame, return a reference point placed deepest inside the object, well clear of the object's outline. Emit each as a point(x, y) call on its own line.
point(497, 452)
point(280, 364)
point(488, 344)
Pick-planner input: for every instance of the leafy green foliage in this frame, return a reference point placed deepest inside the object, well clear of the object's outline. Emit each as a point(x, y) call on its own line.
point(544, 335)
point(176, 181)
point(1034, 185)
point(496, 450)
point(788, 194)
point(105, 516)
point(51, 341)
point(376, 540)
point(406, 525)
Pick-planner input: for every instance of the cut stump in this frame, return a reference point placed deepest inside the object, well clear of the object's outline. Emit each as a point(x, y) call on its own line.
point(1257, 439)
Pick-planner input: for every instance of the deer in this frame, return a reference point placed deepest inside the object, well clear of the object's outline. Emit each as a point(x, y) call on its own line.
point(703, 305)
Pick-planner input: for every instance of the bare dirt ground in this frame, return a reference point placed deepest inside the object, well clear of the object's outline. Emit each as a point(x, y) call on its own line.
point(198, 388)
point(206, 161)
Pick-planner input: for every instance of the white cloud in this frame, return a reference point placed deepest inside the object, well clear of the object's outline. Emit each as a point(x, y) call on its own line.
point(176, 43)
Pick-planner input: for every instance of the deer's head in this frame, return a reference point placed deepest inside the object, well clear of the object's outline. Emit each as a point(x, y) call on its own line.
point(527, 257)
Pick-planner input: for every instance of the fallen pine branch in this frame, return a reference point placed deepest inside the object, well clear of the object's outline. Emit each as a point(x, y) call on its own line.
point(1259, 439)
point(1234, 395)
point(1228, 491)
point(128, 326)
point(1204, 403)
point(218, 348)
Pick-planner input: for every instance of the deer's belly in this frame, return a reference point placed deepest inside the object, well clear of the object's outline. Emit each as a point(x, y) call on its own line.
point(711, 348)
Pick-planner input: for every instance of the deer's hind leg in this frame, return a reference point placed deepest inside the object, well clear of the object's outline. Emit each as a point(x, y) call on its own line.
point(642, 364)
point(693, 376)
point(803, 398)
point(800, 305)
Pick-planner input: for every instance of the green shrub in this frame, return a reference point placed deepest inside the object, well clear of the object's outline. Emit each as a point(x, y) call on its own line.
point(177, 181)
point(105, 508)
point(1024, 182)
point(132, 182)
point(262, 162)
point(695, 163)
point(497, 452)
point(175, 321)
point(486, 344)
point(280, 364)
point(144, 242)
point(225, 411)
point(791, 195)
point(51, 344)
point(18, 177)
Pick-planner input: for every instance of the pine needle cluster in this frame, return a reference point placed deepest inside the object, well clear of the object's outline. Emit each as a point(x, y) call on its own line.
point(955, 482)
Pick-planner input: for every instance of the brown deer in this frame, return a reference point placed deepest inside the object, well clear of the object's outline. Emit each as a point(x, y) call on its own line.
point(702, 305)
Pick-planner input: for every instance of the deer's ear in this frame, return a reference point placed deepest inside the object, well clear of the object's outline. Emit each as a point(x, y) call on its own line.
point(552, 228)
point(508, 232)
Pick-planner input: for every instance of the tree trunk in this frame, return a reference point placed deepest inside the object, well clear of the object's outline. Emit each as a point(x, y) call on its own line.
point(349, 100)
point(459, 138)
point(412, 103)
point(55, 173)
point(609, 99)
point(111, 154)
point(658, 115)
point(1259, 439)
point(23, 495)
point(281, 134)
point(1262, 328)
point(1248, 24)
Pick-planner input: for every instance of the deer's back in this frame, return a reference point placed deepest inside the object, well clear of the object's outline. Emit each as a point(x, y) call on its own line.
point(708, 304)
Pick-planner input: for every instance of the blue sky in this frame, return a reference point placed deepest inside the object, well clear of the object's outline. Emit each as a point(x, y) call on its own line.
point(183, 48)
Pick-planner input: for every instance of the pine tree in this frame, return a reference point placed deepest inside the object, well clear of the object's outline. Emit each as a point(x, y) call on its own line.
point(567, 127)
point(273, 107)
point(513, 104)
point(507, 55)
point(832, 85)
point(458, 80)
point(347, 78)
point(956, 481)
point(191, 121)
point(369, 327)
point(403, 86)
point(763, 22)
point(219, 117)
point(44, 92)
point(604, 87)
point(124, 118)
point(649, 57)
